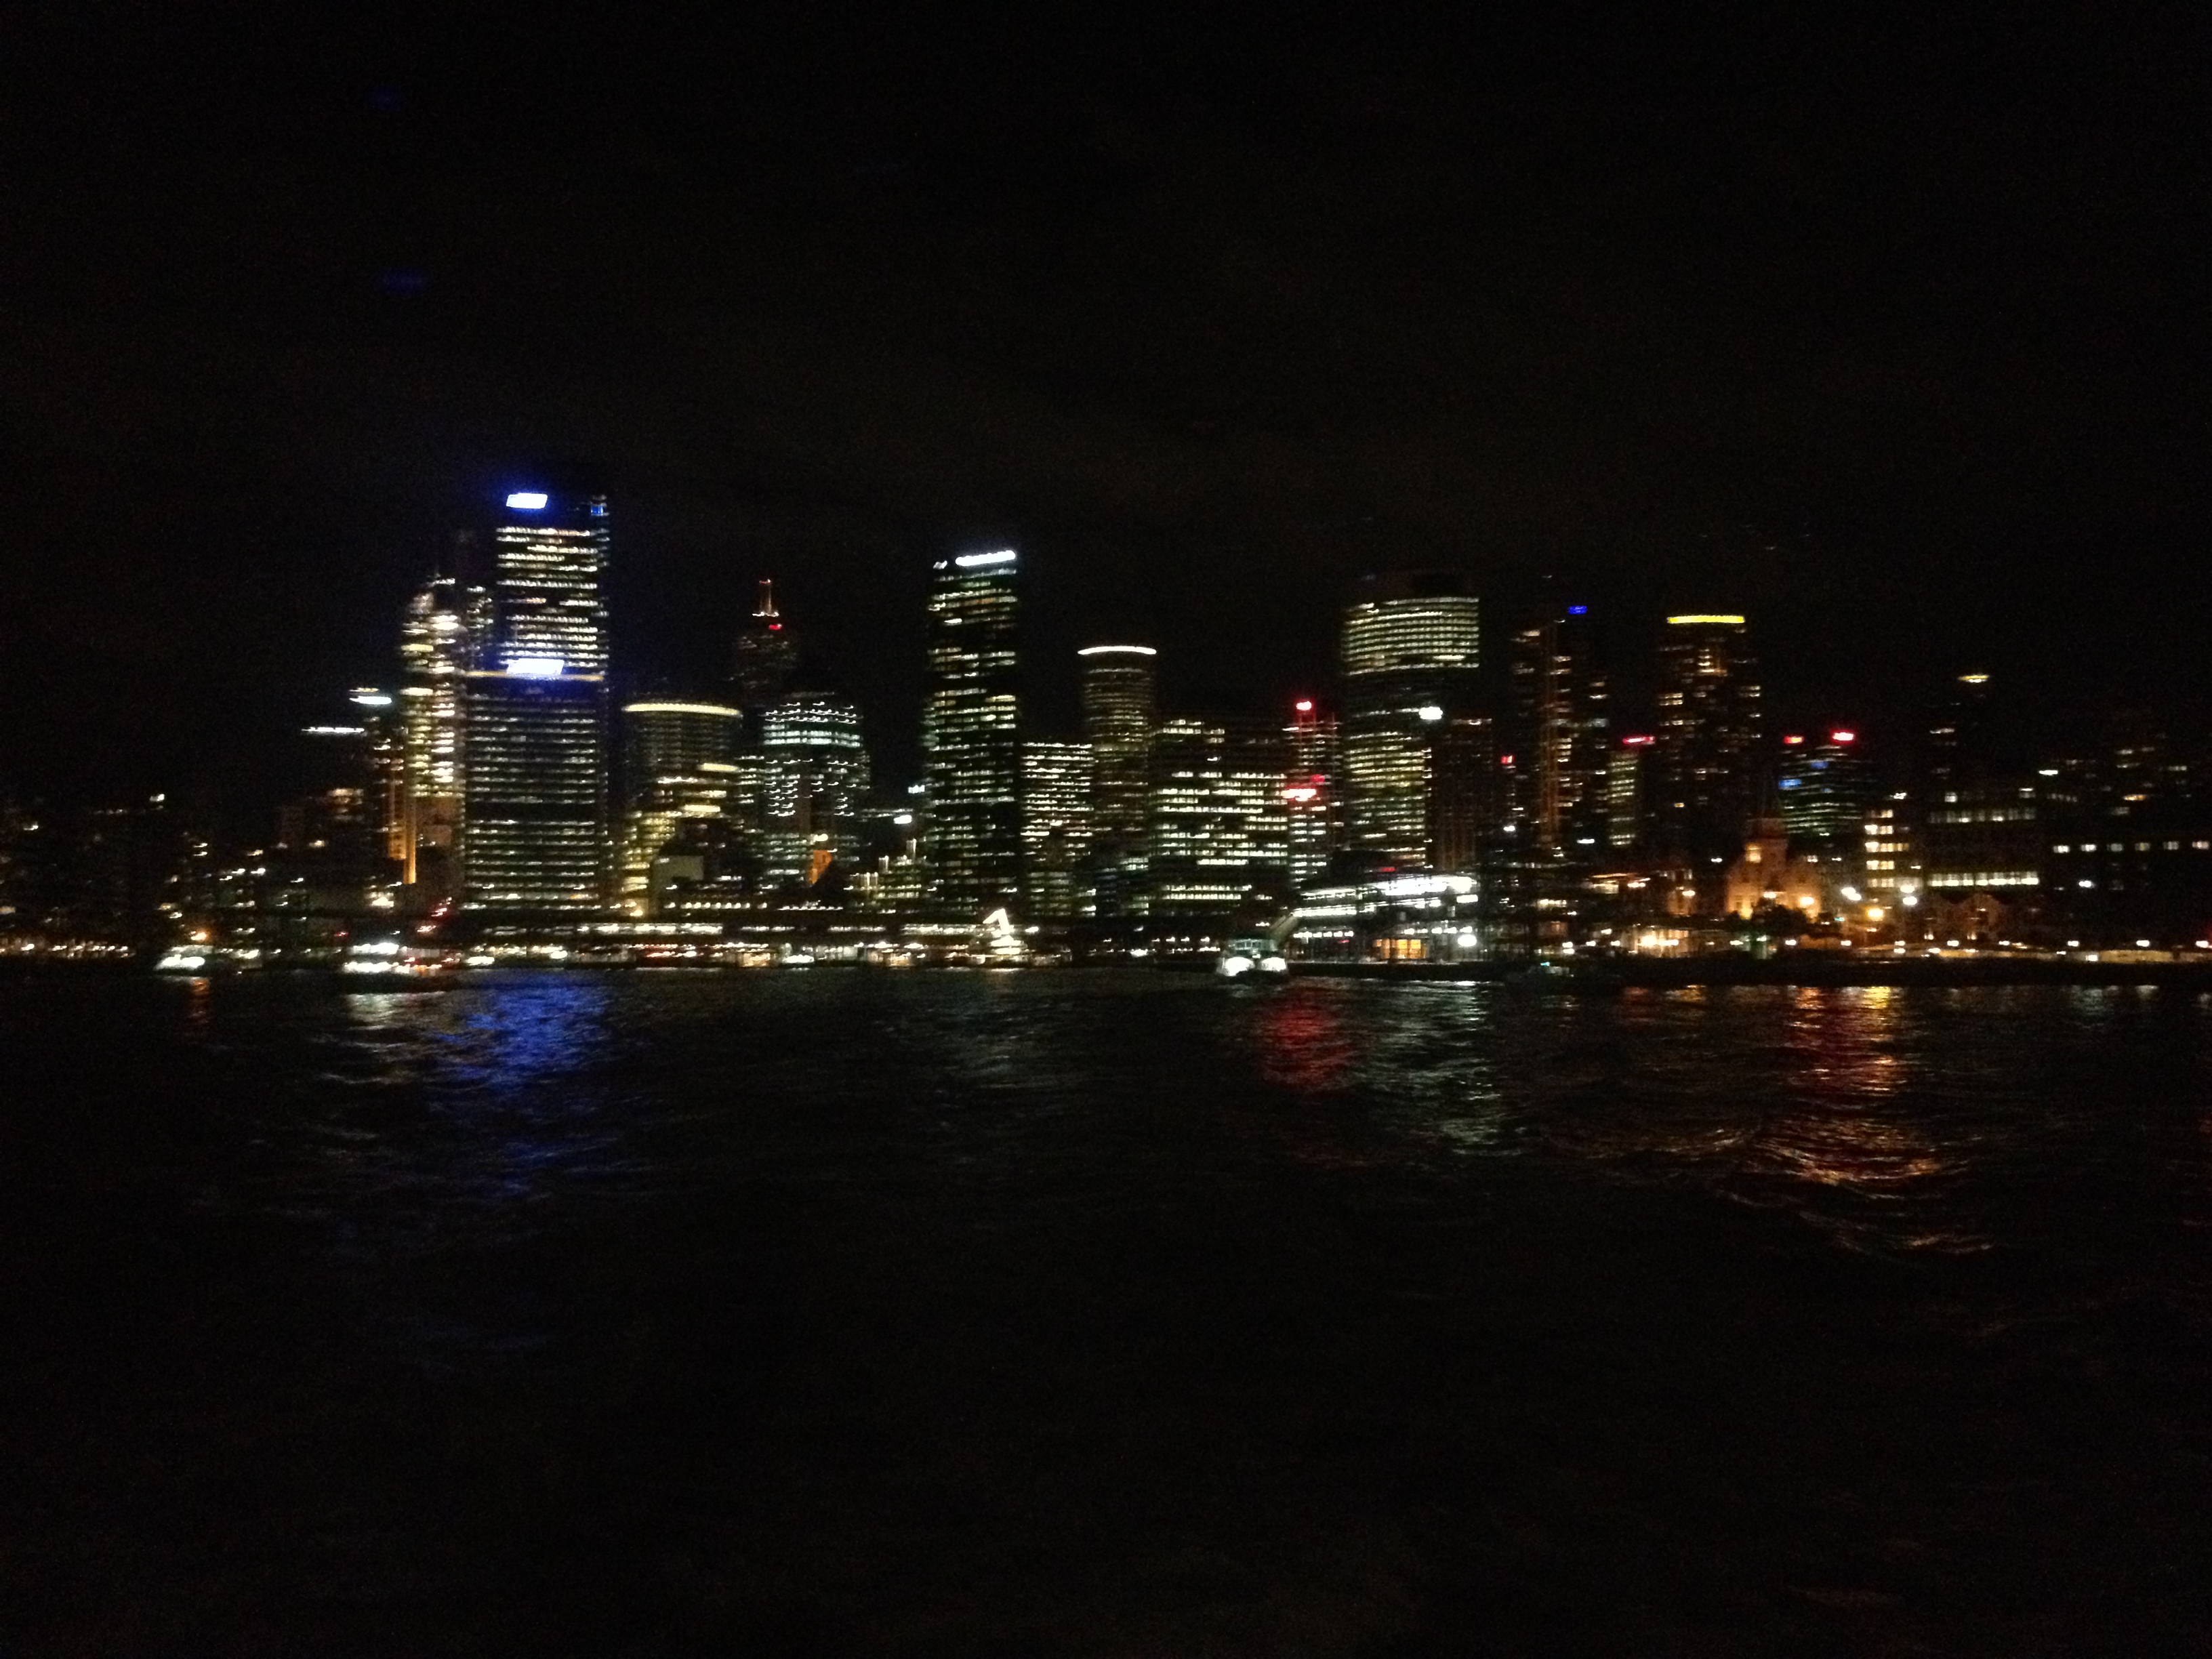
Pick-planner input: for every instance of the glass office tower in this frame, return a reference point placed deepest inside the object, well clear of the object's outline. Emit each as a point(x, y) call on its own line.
point(816, 777)
point(1057, 819)
point(1220, 826)
point(676, 758)
point(1311, 794)
point(970, 735)
point(1410, 661)
point(1705, 783)
point(445, 626)
point(1118, 724)
point(1559, 734)
point(763, 661)
point(534, 840)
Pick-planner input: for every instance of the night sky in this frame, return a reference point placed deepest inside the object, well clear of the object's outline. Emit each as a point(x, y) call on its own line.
point(1896, 341)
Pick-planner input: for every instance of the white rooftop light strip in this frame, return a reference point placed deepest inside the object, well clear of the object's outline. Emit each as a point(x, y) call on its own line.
point(979, 561)
point(1117, 650)
point(527, 500)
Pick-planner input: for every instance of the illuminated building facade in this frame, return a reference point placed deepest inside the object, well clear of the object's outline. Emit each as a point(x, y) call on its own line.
point(1890, 869)
point(1118, 713)
point(816, 777)
point(1413, 917)
point(1056, 827)
point(548, 570)
point(446, 624)
point(1312, 796)
point(1624, 790)
point(1560, 731)
point(1704, 780)
point(1410, 660)
point(1219, 830)
point(971, 734)
point(534, 838)
point(676, 758)
point(1824, 788)
point(1981, 837)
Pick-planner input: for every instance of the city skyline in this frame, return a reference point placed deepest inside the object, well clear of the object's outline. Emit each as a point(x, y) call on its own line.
point(501, 785)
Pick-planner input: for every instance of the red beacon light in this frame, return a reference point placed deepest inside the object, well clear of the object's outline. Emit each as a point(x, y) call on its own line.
point(1793, 738)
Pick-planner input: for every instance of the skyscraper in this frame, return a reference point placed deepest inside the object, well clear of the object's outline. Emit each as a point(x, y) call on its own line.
point(1623, 791)
point(1117, 723)
point(534, 830)
point(1825, 790)
point(1465, 798)
point(1958, 753)
point(1056, 827)
point(1220, 829)
point(764, 660)
point(1560, 732)
point(971, 734)
point(674, 756)
point(445, 627)
point(817, 775)
point(1704, 785)
point(1312, 795)
point(1411, 660)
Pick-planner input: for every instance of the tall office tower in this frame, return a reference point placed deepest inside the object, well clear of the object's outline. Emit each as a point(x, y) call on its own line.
point(1957, 754)
point(445, 626)
point(764, 660)
point(675, 762)
point(817, 781)
point(384, 772)
point(1219, 829)
point(1824, 787)
point(970, 735)
point(1117, 723)
point(1411, 660)
point(1466, 793)
point(1559, 735)
point(1056, 825)
point(1624, 791)
point(534, 759)
point(1705, 782)
point(1311, 794)
point(335, 844)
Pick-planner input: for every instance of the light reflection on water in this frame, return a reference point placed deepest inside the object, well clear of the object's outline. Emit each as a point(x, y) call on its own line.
point(849, 1281)
point(1892, 1118)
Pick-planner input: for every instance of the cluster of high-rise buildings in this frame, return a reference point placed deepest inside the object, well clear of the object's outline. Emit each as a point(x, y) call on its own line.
point(1437, 800)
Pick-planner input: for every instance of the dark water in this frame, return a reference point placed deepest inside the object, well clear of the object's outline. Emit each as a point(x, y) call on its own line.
point(851, 1313)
